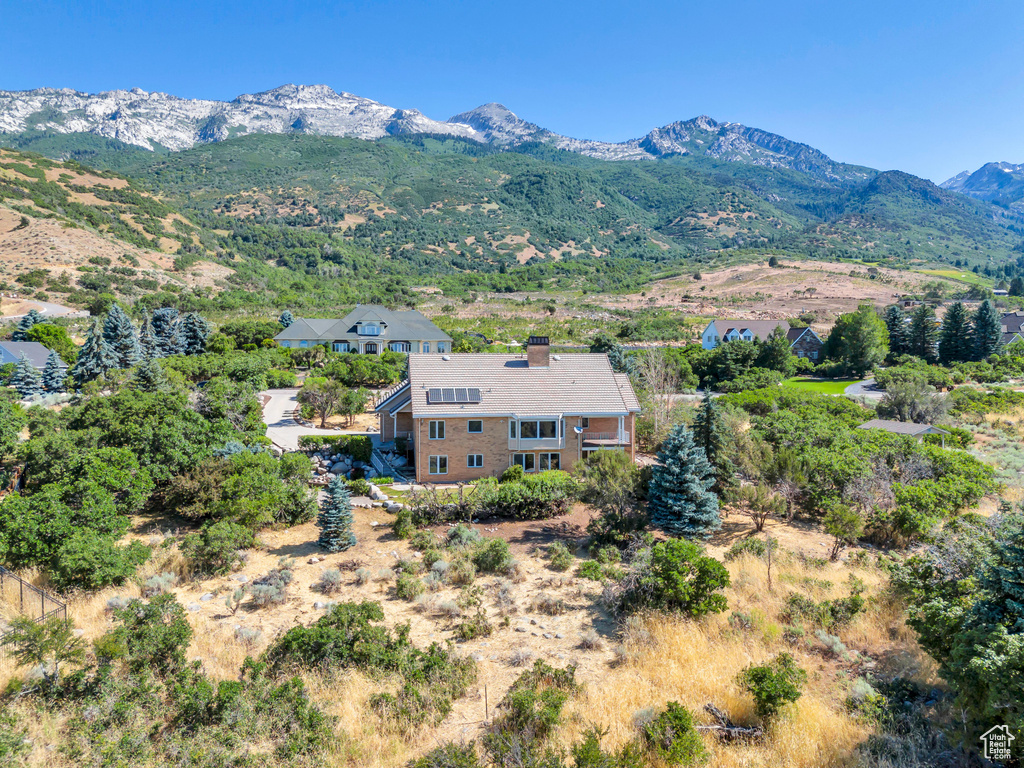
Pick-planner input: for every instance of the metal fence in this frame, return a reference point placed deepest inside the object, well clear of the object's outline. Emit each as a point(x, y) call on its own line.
point(19, 597)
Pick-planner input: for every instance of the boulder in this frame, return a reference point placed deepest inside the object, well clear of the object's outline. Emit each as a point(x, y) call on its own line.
point(338, 469)
point(394, 507)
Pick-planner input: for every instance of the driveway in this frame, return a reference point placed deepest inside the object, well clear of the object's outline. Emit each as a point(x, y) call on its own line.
point(48, 309)
point(865, 389)
point(282, 428)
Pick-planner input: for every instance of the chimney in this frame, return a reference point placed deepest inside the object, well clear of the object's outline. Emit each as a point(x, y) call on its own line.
point(538, 352)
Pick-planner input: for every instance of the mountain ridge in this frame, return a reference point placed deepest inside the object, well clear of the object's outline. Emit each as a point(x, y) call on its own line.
point(1000, 183)
point(154, 120)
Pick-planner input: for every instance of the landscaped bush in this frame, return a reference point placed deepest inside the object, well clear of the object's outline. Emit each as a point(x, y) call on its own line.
point(359, 447)
point(278, 379)
point(675, 575)
point(492, 556)
point(535, 497)
point(408, 587)
point(559, 557)
point(462, 537)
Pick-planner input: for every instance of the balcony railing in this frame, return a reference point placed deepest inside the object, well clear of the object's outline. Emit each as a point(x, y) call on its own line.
point(536, 443)
point(606, 438)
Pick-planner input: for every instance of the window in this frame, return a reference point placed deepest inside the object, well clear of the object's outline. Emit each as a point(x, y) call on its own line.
point(512, 429)
point(474, 426)
point(814, 355)
point(399, 346)
point(524, 460)
point(533, 430)
point(475, 460)
point(426, 346)
point(285, 343)
point(438, 465)
point(435, 430)
point(549, 461)
point(369, 329)
point(303, 343)
point(585, 423)
point(341, 346)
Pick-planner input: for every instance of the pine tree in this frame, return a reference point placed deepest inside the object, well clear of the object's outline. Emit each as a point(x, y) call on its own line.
point(924, 333)
point(709, 435)
point(21, 332)
point(286, 318)
point(681, 501)
point(899, 333)
point(1017, 286)
point(955, 339)
point(148, 345)
point(335, 518)
point(194, 331)
point(119, 333)
point(149, 376)
point(986, 331)
point(53, 373)
point(94, 359)
point(26, 379)
point(167, 331)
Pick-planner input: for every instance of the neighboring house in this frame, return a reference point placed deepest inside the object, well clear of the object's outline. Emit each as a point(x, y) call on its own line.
point(368, 330)
point(11, 352)
point(909, 428)
point(468, 416)
point(803, 342)
point(1013, 327)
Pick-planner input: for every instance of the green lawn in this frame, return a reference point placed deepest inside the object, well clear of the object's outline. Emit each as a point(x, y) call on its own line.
point(824, 386)
point(963, 276)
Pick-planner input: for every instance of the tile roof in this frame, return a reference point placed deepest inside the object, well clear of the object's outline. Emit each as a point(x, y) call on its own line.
point(33, 350)
point(761, 329)
point(903, 427)
point(571, 384)
point(401, 325)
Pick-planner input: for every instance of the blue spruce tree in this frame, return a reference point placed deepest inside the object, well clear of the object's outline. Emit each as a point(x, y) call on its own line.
point(119, 333)
point(148, 345)
point(335, 518)
point(167, 331)
point(149, 376)
point(94, 359)
point(26, 379)
point(21, 332)
point(680, 497)
point(286, 318)
point(53, 374)
point(194, 330)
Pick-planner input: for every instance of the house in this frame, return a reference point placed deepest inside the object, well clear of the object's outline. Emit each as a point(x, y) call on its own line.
point(11, 352)
point(1013, 327)
point(909, 428)
point(467, 416)
point(803, 342)
point(369, 330)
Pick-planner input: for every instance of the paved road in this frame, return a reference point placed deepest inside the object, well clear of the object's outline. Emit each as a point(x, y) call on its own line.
point(866, 389)
point(49, 309)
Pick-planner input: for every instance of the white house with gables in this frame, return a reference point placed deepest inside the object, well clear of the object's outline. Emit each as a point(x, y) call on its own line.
point(368, 330)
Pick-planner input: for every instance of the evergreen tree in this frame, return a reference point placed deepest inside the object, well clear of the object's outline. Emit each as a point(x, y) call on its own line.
point(149, 376)
point(32, 318)
point(286, 318)
point(94, 359)
point(709, 435)
point(955, 339)
point(148, 345)
point(774, 354)
point(899, 332)
point(1017, 286)
point(986, 331)
point(924, 333)
point(53, 373)
point(335, 518)
point(194, 331)
point(26, 379)
point(123, 342)
point(680, 499)
point(167, 331)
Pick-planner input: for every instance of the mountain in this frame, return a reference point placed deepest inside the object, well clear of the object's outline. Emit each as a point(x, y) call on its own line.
point(999, 183)
point(160, 122)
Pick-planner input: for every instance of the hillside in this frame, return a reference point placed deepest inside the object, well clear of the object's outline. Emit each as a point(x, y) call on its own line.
point(998, 183)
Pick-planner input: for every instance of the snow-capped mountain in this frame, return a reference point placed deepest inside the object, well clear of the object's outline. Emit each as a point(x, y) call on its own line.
point(152, 119)
point(1000, 183)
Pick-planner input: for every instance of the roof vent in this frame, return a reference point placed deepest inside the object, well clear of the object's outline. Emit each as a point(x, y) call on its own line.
point(445, 357)
point(555, 357)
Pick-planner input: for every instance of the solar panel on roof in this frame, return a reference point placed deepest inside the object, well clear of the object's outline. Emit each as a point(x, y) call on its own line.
point(434, 395)
point(472, 395)
point(449, 394)
point(461, 395)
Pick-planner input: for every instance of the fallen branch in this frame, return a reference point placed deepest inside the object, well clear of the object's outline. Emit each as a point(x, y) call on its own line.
point(726, 729)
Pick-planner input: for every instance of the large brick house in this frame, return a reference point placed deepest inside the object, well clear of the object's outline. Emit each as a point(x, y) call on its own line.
point(803, 342)
point(468, 416)
point(368, 330)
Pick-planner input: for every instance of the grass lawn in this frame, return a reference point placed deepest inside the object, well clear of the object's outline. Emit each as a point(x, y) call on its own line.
point(963, 276)
point(824, 386)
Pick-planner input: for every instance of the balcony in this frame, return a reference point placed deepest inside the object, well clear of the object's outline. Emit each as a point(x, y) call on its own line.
point(536, 443)
point(605, 439)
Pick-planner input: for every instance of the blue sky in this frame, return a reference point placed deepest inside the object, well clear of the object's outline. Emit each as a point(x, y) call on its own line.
point(932, 88)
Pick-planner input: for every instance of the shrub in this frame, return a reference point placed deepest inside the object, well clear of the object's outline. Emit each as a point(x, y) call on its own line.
point(513, 474)
point(329, 582)
point(677, 577)
point(450, 755)
point(549, 604)
point(359, 447)
point(408, 587)
point(363, 576)
point(753, 546)
point(590, 640)
point(153, 635)
point(403, 525)
point(673, 738)
point(492, 556)
point(559, 557)
point(462, 537)
point(159, 584)
point(272, 588)
point(534, 497)
point(828, 614)
point(773, 685)
point(90, 560)
point(533, 705)
point(590, 569)
point(462, 571)
point(359, 487)
point(214, 550)
point(278, 379)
